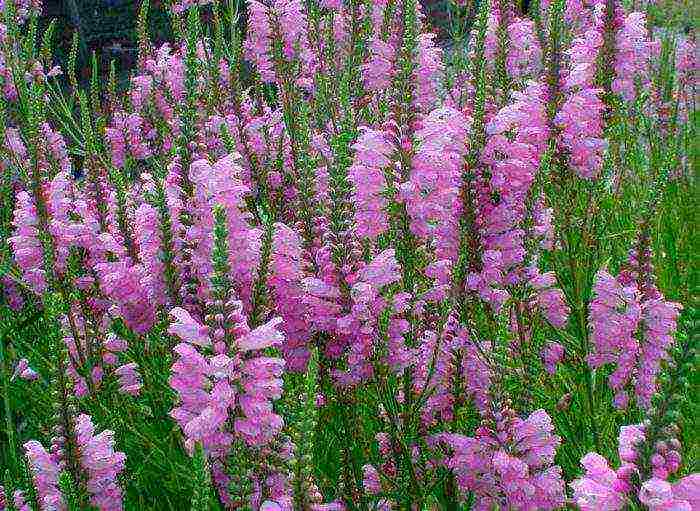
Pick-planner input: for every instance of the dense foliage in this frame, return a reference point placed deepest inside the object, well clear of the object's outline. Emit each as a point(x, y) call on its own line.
point(322, 264)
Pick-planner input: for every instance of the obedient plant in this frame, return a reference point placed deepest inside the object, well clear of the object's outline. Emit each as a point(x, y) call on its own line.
point(308, 257)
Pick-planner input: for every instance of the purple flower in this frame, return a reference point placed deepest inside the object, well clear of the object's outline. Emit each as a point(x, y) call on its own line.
point(101, 464)
point(187, 329)
point(44, 468)
point(551, 355)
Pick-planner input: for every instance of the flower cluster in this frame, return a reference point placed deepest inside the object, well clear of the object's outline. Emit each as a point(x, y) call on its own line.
point(320, 198)
point(607, 489)
point(631, 326)
point(509, 464)
point(99, 467)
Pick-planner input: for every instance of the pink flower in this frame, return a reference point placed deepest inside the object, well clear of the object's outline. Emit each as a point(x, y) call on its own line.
point(187, 329)
point(659, 495)
point(614, 317)
point(101, 463)
point(14, 142)
point(511, 465)
point(141, 88)
point(44, 469)
point(367, 174)
point(580, 119)
point(370, 480)
point(57, 148)
point(220, 185)
point(632, 329)
point(633, 54)
point(524, 57)
point(11, 294)
point(688, 489)
point(428, 72)
point(129, 379)
point(384, 269)
point(180, 6)
point(23, 370)
point(287, 264)
point(552, 354)
point(550, 300)
point(258, 42)
point(597, 490)
point(262, 337)
point(219, 390)
point(20, 501)
point(149, 246)
point(431, 194)
point(379, 70)
point(26, 246)
point(124, 285)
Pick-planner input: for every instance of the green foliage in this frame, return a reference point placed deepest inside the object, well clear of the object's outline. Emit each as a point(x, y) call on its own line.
point(598, 222)
point(201, 495)
point(67, 486)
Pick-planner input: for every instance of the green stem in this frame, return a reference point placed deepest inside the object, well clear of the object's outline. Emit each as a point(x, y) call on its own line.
point(6, 402)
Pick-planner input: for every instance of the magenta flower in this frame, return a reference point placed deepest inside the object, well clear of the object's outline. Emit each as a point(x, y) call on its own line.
point(57, 148)
point(258, 44)
point(511, 466)
point(524, 59)
point(263, 336)
point(367, 174)
point(44, 468)
point(551, 355)
point(378, 72)
point(26, 247)
point(633, 53)
point(600, 488)
point(370, 480)
point(431, 194)
point(187, 328)
point(101, 464)
point(124, 285)
point(129, 379)
point(288, 263)
point(149, 247)
point(428, 73)
point(632, 330)
point(580, 121)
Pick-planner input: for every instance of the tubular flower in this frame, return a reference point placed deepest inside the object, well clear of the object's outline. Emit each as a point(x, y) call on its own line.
point(44, 468)
point(524, 58)
point(633, 53)
point(431, 194)
point(615, 313)
point(601, 487)
point(149, 247)
point(631, 331)
point(207, 384)
point(219, 184)
point(287, 264)
point(378, 72)
point(367, 174)
point(101, 464)
point(129, 379)
point(510, 467)
point(580, 121)
point(258, 43)
point(428, 73)
point(26, 246)
point(359, 329)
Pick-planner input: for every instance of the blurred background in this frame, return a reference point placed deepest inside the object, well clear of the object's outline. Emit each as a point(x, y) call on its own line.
point(109, 26)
